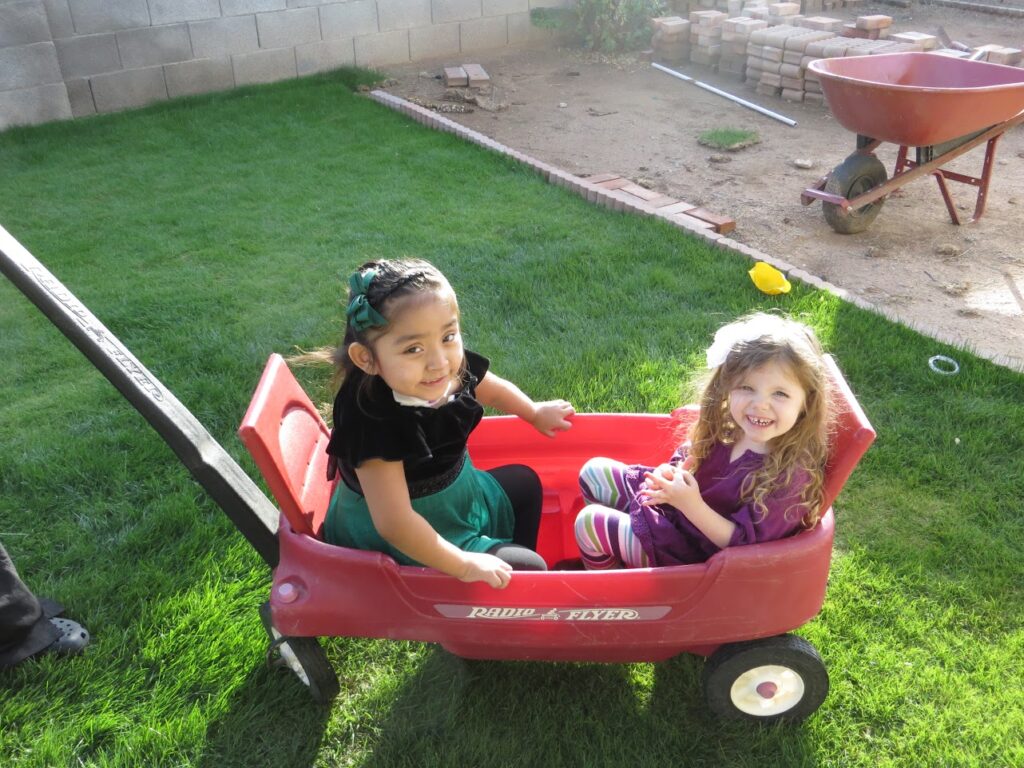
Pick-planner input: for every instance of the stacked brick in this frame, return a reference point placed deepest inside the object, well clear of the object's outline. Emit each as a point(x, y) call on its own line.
point(671, 39)
point(706, 37)
point(1000, 54)
point(872, 27)
point(783, 14)
point(774, 59)
point(735, 38)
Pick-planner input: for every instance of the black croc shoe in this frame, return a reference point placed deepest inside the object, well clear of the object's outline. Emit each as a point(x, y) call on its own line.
point(72, 639)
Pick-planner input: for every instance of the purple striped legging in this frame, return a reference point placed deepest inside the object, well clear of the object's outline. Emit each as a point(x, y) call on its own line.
point(603, 531)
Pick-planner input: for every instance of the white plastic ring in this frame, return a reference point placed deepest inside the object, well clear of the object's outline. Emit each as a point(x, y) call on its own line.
point(947, 366)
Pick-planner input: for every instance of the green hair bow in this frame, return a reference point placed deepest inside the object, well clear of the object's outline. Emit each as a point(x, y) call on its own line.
point(360, 314)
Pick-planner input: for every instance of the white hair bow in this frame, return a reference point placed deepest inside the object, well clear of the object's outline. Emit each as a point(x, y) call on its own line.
point(728, 336)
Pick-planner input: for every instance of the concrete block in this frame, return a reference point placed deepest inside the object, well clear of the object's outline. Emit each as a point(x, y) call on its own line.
point(30, 106)
point(58, 14)
point(23, 23)
point(434, 41)
point(28, 66)
point(482, 34)
point(325, 55)
point(80, 97)
point(177, 11)
point(443, 11)
point(128, 89)
point(147, 46)
point(522, 31)
point(88, 55)
point(504, 7)
point(382, 48)
point(402, 14)
point(242, 7)
point(264, 66)
point(220, 38)
point(92, 16)
point(188, 78)
point(352, 19)
point(286, 29)
point(925, 41)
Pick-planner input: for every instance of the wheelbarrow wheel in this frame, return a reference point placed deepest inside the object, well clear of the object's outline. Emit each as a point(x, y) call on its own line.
point(854, 176)
point(304, 657)
point(778, 678)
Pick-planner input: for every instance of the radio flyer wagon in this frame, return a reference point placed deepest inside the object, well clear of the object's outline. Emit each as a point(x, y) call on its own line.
point(940, 105)
point(736, 609)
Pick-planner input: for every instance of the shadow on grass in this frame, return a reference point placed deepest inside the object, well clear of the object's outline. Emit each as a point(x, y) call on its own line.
point(459, 712)
point(245, 736)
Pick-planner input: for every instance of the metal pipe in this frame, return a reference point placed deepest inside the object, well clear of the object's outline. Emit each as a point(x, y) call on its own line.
point(737, 99)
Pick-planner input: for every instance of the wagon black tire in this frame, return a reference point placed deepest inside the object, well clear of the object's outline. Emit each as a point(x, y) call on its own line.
point(304, 657)
point(778, 678)
point(854, 176)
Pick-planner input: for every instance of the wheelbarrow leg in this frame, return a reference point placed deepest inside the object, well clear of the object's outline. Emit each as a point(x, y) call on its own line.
point(940, 177)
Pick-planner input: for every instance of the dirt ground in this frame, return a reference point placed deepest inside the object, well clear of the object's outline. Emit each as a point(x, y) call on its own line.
point(589, 114)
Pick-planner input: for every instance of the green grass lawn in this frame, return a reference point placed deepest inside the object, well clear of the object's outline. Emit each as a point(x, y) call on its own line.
point(208, 233)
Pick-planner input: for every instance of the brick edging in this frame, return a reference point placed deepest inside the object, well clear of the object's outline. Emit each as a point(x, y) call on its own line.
point(618, 201)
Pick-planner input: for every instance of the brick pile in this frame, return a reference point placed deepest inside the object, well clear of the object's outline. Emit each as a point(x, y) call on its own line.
point(671, 39)
point(706, 37)
point(735, 38)
point(774, 57)
point(873, 27)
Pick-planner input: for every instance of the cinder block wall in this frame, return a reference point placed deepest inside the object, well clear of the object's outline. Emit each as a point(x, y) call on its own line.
point(68, 58)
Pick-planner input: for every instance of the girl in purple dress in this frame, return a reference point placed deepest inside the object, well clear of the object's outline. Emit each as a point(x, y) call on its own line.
point(752, 469)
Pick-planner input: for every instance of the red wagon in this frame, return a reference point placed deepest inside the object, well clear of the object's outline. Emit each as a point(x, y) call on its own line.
point(735, 609)
point(940, 105)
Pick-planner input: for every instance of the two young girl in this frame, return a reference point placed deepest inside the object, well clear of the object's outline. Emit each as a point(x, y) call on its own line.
point(410, 395)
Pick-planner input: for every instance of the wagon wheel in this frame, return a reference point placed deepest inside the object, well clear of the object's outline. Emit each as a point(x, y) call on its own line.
point(778, 678)
point(854, 176)
point(304, 657)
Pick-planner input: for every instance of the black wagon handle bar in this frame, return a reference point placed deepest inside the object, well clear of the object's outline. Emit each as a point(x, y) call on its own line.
point(234, 491)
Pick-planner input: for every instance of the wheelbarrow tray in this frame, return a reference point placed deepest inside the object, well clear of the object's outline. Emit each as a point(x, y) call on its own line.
point(919, 99)
point(741, 593)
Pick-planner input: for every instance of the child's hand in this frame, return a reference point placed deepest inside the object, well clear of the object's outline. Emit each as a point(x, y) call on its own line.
point(552, 416)
point(671, 484)
point(483, 567)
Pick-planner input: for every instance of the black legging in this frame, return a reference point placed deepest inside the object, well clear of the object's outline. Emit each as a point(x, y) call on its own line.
point(523, 488)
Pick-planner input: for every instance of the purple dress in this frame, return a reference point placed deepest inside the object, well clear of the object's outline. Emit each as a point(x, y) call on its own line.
point(669, 538)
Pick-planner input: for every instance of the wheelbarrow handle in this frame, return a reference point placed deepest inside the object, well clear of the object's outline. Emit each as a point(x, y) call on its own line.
point(240, 498)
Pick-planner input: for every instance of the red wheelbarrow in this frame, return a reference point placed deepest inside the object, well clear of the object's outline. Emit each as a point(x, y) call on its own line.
point(734, 609)
point(940, 105)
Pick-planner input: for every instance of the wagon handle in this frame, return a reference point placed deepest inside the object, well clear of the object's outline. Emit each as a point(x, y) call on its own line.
point(233, 490)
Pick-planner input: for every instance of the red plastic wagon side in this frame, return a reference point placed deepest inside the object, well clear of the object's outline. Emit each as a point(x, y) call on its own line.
point(742, 594)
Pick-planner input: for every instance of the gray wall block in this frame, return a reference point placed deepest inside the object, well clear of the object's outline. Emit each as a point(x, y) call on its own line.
point(481, 34)
point(188, 78)
point(382, 48)
point(238, 7)
point(80, 96)
point(444, 11)
point(349, 19)
point(219, 38)
point(28, 66)
point(176, 11)
point(23, 23)
point(128, 89)
point(264, 66)
point(324, 56)
point(522, 31)
point(34, 105)
point(434, 41)
point(154, 45)
point(92, 16)
point(88, 55)
point(505, 7)
point(403, 14)
point(59, 16)
point(285, 29)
